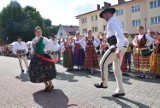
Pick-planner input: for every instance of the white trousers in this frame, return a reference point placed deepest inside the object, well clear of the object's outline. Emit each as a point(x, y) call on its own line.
point(24, 58)
point(109, 57)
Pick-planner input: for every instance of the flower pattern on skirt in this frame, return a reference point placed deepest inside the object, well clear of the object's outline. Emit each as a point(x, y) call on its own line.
point(40, 70)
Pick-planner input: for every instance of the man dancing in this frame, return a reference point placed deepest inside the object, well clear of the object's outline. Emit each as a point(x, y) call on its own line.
point(118, 46)
point(55, 47)
point(20, 50)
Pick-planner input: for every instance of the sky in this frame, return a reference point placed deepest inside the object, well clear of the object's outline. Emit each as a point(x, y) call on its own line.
point(61, 11)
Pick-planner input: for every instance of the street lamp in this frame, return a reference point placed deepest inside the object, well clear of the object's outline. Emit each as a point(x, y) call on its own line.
point(145, 20)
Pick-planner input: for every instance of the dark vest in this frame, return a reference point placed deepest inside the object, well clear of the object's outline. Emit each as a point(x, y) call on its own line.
point(40, 46)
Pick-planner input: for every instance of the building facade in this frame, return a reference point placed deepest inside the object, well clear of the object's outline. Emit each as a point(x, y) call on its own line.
point(67, 31)
point(131, 14)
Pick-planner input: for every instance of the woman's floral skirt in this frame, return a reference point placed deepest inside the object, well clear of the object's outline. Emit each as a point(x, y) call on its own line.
point(40, 70)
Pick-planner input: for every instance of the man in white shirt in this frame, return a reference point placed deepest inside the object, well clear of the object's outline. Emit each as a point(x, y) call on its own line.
point(20, 50)
point(55, 47)
point(118, 46)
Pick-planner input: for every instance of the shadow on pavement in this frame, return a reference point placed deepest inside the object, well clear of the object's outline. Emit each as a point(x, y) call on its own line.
point(65, 76)
point(70, 76)
point(149, 77)
point(123, 104)
point(23, 77)
point(53, 99)
point(131, 75)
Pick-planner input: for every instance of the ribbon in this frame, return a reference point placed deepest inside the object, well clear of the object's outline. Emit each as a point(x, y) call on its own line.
point(45, 59)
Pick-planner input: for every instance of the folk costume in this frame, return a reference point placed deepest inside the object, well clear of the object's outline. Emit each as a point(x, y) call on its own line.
point(55, 47)
point(127, 57)
point(141, 42)
point(91, 58)
point(155, 58)
point(42, 67)
point(118, 44)
point(20, 49)
point(68, 55)
point(78, 55)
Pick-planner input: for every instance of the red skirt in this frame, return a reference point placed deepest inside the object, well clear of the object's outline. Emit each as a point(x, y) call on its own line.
point(91, 58)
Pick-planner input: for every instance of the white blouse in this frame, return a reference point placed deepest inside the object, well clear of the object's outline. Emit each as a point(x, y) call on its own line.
point(54, 45)
point(46, 42)
point(19, 46)
point(150, 40)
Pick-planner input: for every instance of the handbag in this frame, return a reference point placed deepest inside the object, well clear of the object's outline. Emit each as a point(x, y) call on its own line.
point(112, 40)
point(145, 52)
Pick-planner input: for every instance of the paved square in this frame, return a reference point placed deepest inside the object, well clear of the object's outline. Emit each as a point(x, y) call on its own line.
point(73, 90)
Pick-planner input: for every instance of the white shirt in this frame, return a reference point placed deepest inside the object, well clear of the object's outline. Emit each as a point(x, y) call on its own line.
point(54, 45)
point(19, 46)
point(46, 42)
point(82, 42)
point(150, 40)
point(62, 46)
point(114, 27)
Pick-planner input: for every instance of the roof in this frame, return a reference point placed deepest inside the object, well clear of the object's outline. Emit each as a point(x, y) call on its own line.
point(70, 29)
point(87, 13)
point(102, 9)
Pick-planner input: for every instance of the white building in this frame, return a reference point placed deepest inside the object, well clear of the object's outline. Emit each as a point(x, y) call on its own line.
point(65, 31)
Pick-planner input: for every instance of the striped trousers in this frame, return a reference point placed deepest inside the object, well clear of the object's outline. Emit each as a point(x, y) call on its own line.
point(109, 57)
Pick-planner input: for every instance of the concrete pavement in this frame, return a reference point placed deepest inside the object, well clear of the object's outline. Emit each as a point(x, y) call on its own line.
point(73, 90)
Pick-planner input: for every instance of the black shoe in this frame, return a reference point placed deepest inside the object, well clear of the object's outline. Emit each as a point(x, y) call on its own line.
point(99, 85)
point(22, 70)
point(118, 95)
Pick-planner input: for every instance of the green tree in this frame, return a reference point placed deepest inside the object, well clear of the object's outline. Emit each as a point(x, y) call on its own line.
point(52, 29)
point(11, 19)
point(17, 21)
point(47, 22)
point(32, 19)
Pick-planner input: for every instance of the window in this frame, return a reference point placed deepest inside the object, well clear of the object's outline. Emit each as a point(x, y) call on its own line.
point(155, 20)
point(104, 27)
point(155, 4)
point(84, 31)
point(136, 8)
point(94, 29)
point(94, 18)
point(119, 12)
point(84, 20)
point(136, 23)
